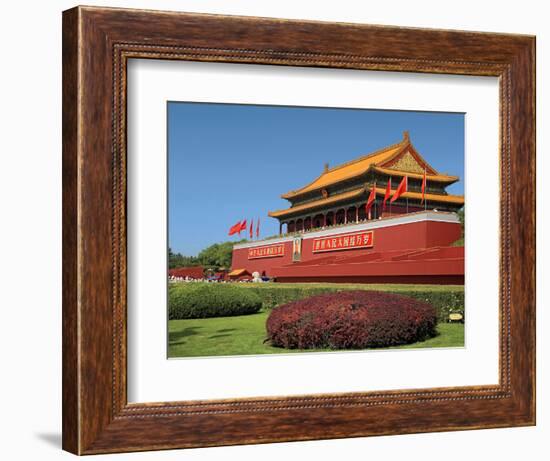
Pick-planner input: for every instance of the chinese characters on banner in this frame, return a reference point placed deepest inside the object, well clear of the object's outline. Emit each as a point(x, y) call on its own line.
point(343, 242)
point(267, 251)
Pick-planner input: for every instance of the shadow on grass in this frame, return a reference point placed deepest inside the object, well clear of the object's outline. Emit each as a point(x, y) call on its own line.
point(218, 336)
point(223, 333)
point(177, 337)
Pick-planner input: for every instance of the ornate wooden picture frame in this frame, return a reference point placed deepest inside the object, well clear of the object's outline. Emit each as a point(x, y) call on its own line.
point(97, 44)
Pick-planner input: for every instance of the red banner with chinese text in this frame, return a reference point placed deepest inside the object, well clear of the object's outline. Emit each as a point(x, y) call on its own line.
point(344, 242)
point(267, 251)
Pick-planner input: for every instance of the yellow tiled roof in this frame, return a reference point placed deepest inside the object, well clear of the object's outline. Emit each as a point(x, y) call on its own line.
point(237, 272)
point(429, 177)
point(375, 160)
point(320, 202)
point(350, 169)
point(454, 199)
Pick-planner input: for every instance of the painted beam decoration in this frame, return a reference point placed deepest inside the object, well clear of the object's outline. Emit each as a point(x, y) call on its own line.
point(344, 242)
point(267, 251)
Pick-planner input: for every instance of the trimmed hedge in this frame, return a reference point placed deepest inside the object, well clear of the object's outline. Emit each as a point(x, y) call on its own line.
point(201, 300)
point(351, 320)
point(274, 295)
point(445, 301)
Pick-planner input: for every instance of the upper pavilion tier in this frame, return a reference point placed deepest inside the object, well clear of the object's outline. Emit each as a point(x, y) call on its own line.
point(348, 185)
point(398, 160)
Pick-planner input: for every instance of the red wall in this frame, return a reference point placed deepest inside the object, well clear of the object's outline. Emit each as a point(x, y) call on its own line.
point(416, 235)
point(241, 261)
point(196, 272)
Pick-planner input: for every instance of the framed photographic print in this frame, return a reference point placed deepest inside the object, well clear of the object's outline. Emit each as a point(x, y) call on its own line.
point(284, 230)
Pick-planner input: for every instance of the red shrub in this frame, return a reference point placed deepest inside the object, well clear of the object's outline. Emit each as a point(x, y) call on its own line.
point(351, 320)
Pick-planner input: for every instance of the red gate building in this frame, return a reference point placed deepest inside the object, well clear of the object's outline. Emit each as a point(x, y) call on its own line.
point(326, 233)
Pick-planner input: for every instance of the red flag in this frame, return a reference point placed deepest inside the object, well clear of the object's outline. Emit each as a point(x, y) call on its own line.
point(387, 196)
point(371, 199)
point(251, 232)
point(235, 228)
point(401, 189)
point(423, 186)
point(258, 228)
point(242, 227)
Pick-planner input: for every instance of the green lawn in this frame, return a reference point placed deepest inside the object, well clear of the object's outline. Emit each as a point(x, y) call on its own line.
point(245, 335)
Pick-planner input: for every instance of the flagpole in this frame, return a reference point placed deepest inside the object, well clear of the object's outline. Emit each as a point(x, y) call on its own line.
point(390, 192)
point(375, 205)
point(425, 187)
point(407, 190)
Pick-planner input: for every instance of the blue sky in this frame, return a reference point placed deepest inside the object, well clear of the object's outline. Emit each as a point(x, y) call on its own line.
point(228, 162)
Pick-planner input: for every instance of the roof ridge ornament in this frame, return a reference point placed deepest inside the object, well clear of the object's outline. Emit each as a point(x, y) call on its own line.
point(406, 136)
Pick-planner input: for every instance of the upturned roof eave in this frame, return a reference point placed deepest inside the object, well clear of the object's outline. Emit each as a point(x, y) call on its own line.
point(319, 203)
point(400, 146)
point(389, 154)
point(448, 180)
point(434, 178)
point(448, 199)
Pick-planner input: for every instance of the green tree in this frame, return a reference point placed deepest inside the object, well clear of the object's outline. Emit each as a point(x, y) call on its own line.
point(212, 257)
point(217, 255)
point(178, 260)
point(460, 241)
